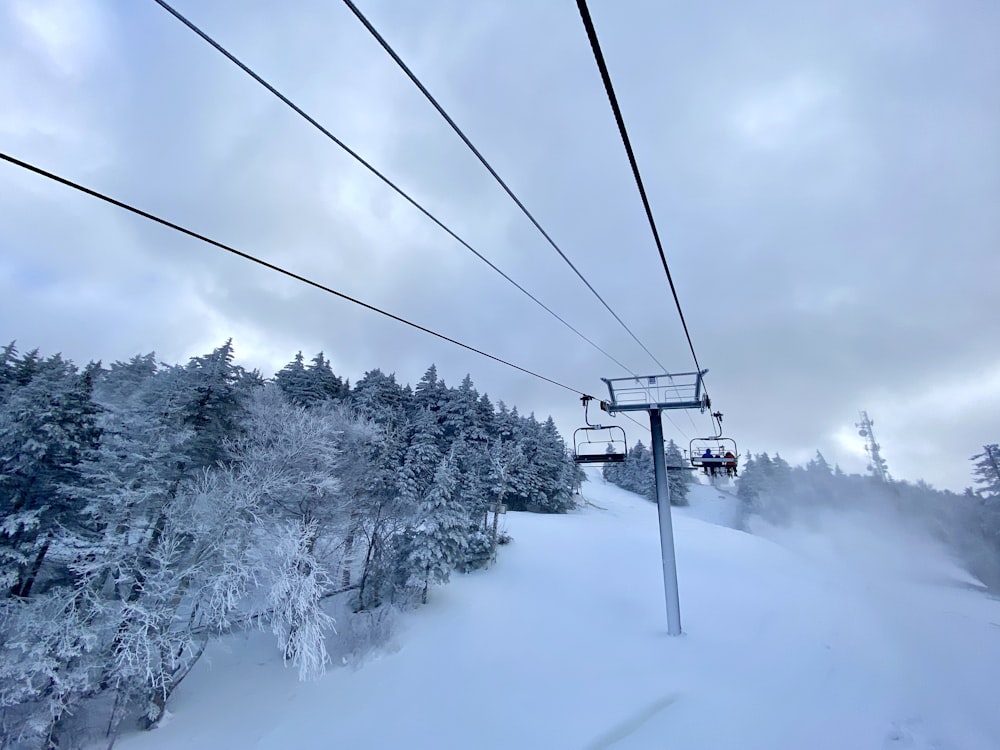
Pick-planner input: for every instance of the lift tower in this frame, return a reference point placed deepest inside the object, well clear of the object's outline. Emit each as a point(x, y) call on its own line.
point(654, 394)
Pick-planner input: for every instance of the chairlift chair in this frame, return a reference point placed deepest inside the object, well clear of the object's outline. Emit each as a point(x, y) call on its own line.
point(712, 454)
point(614, 445)
point(611, 437)
point(716, 453)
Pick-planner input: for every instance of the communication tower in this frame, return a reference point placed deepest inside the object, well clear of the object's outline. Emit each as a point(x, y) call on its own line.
point(876, 464)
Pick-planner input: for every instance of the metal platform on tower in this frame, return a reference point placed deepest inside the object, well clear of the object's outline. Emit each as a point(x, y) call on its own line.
point(680, 390)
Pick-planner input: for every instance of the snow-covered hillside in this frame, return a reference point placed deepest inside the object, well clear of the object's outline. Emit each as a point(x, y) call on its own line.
point(798, 640)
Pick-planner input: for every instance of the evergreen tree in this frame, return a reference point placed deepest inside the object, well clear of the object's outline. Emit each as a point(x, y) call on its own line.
point(294, 382)
point(214, 393)
point(818, 465)
point(323, 384)
point(439, 535)
point(421, 460)
point(462, 417)
point(506, 466)
point(749, 487)
point(47, 428)
point(430, 393)
point(306, 386)
point(678, 476)
point(986, 470)
point(614, 473)
point(123, 380)
point(8, 361)
point(378, 396)
point(554, 488)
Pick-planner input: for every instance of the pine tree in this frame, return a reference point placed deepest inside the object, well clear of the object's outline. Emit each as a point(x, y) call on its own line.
point(323, 384)
point(678, 477)
point(554, 489)
point(439, 535)
point(379, 397)
point(294, 382)
point(8, 360)
point(47, 428)
point(639, 476)
point(422, 458)
point(214, 392)
point(506, 464)
point(124, 380)
point(430, 393)
point(986, 470)
point(819, 465)
point(613, 473)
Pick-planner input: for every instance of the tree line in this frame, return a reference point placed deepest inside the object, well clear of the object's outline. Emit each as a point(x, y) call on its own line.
point(770, 489)
point(147, 508)
point(967, 523)
point(635, 474)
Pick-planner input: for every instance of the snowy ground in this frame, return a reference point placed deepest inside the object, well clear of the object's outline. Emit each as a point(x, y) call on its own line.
point(798, 641)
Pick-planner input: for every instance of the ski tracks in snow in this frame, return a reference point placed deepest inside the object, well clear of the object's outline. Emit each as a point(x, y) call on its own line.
point(633, 723)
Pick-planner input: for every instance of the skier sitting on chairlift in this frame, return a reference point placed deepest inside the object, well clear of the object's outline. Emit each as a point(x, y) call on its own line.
point(730, 464)
point(708, 459)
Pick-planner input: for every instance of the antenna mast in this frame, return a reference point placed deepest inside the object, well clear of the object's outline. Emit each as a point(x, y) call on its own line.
point(876, 464)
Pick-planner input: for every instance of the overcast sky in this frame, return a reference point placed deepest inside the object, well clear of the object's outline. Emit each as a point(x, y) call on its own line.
point(825, 176)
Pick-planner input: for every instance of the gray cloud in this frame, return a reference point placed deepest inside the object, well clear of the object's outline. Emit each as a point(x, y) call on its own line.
point(826, 179)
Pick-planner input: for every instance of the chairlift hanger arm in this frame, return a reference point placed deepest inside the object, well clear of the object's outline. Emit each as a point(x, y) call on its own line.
point(717, 417)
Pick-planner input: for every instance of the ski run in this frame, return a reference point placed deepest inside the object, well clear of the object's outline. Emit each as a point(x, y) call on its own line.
point(841, 636)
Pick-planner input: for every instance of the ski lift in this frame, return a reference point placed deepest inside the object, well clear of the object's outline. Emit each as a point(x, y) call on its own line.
point(611, 437)
point(716, 454)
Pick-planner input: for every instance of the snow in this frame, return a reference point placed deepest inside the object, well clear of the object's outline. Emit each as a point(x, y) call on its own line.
point(802, 639)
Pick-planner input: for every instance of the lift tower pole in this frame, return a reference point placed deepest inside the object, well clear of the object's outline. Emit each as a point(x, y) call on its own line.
point(666, 525)
point(653, 394)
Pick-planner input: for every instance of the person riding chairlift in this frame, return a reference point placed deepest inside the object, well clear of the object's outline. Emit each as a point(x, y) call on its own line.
point(708, 460)
point(730, 464)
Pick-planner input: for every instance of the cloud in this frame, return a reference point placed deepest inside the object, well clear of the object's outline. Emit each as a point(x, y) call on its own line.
point(796, 112)
point(821, 181)
point(69, 37)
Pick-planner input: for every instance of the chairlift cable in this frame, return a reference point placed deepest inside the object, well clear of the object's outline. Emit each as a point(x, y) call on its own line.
point(609, 88)
point(465, 139)
point(367, 165)
point(458, 131)
point(273, 267)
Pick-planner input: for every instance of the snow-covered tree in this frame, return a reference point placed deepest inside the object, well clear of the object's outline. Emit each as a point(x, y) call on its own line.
point(47, 427)
point(146, 508)
point(430, 393)
point(636, 473)
point(506, 465)
point(423, 454)
point(214, 392)
point(49, 661)
point(378, 396)
point(297, 585)
point(294, 382)
point(678, 476)
point(323, 384)
point(439, 536)
point(986, 470)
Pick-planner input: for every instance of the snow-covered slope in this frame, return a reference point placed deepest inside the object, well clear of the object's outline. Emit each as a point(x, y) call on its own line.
point(563, 645)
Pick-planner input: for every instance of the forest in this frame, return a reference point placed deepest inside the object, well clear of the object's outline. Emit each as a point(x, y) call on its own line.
point(148, 508)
